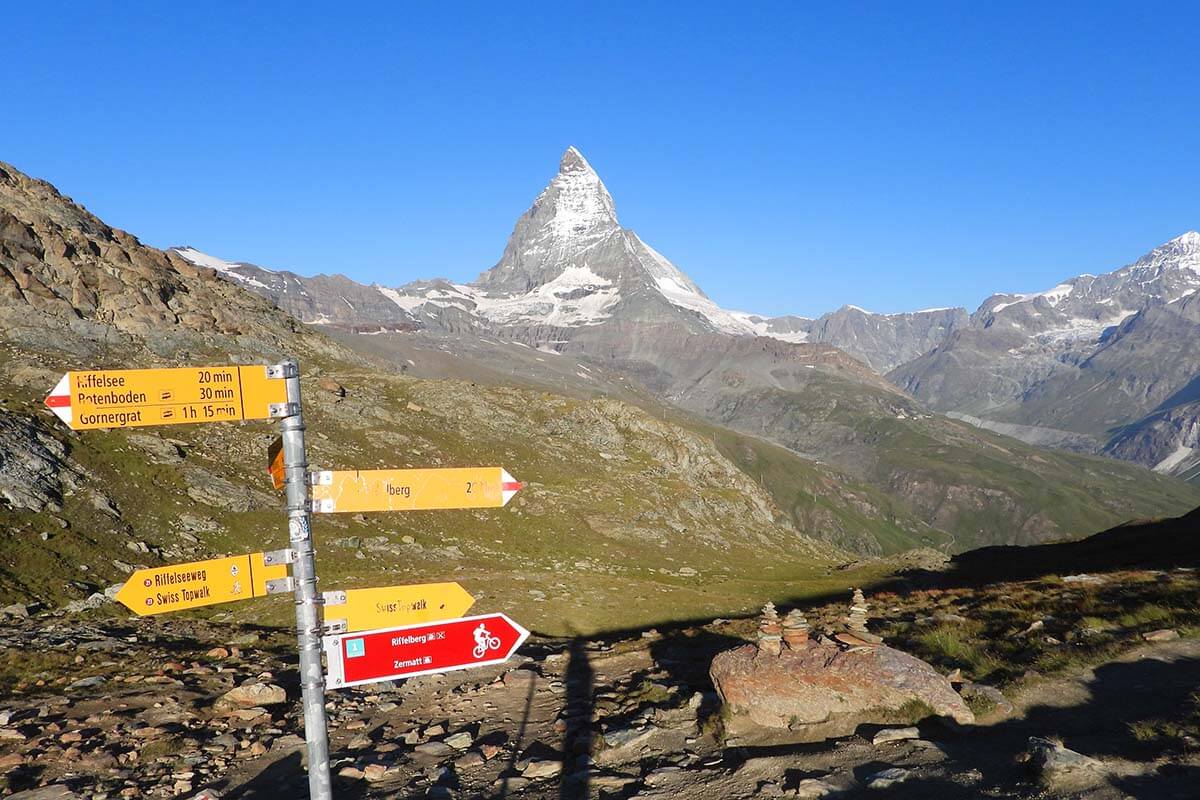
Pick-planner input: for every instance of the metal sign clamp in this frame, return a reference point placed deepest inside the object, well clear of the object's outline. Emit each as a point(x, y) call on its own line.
point(335, 626)
point(284, 556)
point(281, 585)
point(283, 410)
point(288, 369)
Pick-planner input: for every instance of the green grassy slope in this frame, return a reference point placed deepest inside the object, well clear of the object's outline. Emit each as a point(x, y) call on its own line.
point(625, 519)
point(977, 486)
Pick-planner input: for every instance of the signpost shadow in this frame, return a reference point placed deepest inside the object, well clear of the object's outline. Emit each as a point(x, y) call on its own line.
point(510, 768)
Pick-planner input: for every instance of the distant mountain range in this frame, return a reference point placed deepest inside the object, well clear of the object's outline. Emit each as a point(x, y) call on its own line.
point(1107, 364)
point(569, 267)
point(673, 468)
point(575, 287)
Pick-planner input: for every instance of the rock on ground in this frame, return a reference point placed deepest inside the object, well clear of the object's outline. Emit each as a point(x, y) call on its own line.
point(252, 694)
point(1061, 768)
point(822, 691)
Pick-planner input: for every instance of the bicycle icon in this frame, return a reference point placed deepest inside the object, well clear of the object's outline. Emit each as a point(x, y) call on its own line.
point(484, 641)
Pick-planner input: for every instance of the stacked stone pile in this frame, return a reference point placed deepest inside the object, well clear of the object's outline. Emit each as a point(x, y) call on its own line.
point(856, 633)
point(857, 620)
point(770, 631)
point(795, 630)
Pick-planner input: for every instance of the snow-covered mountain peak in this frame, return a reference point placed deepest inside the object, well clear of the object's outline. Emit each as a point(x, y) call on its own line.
point(1168, 270)
point(577, 199)
point(573, 161)
point(573, 214)
point(1182, 252)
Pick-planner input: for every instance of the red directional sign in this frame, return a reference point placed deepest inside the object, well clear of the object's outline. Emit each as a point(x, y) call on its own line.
point(381, 655)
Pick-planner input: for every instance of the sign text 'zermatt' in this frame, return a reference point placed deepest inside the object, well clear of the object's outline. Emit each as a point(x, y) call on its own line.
point(380, 655)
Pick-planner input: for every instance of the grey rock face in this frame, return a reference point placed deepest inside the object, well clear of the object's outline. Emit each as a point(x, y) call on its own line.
point(1061, 768)
point(33, 466)
point(574, 213)
point(1167, 441)
point(885, 341)
point(213, 490)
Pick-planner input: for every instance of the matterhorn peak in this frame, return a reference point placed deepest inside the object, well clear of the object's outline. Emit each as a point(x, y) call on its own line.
point(577, 199)
point(573, 161)
point(1191, 239)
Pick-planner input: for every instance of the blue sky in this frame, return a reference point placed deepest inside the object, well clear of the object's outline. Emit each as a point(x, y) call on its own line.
point(789, 157)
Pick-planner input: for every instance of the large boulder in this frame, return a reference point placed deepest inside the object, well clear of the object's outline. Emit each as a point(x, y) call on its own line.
point(822, 690)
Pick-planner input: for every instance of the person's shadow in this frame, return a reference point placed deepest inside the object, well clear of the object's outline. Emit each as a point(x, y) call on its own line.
point(577, 739)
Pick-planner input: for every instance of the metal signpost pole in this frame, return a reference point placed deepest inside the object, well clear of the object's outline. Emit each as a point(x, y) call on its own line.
point(304, 571)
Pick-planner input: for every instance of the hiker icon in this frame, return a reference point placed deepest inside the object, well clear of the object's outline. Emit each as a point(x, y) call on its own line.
point(484, 641)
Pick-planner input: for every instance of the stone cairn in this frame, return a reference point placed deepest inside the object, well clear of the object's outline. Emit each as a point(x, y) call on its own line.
point(857, 621)
point(770, 631)
point(856, 633)
point(795, 630)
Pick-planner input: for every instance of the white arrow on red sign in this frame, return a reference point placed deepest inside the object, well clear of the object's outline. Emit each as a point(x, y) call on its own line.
point(381, 655)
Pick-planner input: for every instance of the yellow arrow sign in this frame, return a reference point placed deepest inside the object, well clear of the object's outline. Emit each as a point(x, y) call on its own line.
point(198, 583)
point(275, 463)
point(392, 606)
point(130, 398)
point(411, 489)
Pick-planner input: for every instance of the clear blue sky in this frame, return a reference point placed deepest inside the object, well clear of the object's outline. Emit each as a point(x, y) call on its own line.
point(790, 158)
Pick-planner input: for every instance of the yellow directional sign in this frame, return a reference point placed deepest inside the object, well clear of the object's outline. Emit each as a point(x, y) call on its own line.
point(275, 463)
point(392, 606)
point(411, 489)
point(199, 583)
point(129, 398)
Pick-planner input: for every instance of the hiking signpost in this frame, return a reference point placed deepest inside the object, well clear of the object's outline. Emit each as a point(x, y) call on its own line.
point(132, 398)
point(362, 609)
point(357, 491)
point(430, 640)
point(204, 583)
point(129, 398)
point(391, 653)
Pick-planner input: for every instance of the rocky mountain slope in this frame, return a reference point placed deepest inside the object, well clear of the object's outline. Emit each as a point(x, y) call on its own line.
point(573, 283)
point(630, 515)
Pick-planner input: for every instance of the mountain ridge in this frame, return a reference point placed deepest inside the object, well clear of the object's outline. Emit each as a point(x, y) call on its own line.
point(1104, 356)
point(544, 292)
point(578, 284)
point(545, 277)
